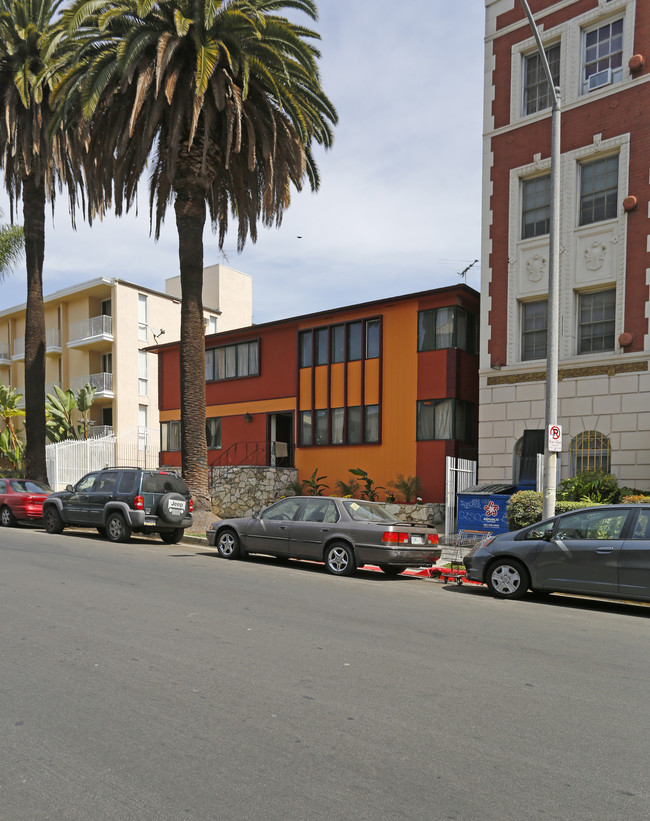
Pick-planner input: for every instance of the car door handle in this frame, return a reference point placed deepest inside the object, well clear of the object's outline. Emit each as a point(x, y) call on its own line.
point(283, 527)
point(605, 550)
point(325, 530)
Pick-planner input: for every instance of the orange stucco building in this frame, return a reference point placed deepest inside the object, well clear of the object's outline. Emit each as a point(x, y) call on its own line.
point(389, 386)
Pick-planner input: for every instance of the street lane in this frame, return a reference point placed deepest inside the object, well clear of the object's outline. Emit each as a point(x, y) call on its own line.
point(144, 681)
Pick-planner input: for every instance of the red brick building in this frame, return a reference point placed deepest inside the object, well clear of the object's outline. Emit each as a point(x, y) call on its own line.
point(599, 54)
point(389, 386)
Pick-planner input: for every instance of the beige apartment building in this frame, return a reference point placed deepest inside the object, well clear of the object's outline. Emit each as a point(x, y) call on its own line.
point(97, 332)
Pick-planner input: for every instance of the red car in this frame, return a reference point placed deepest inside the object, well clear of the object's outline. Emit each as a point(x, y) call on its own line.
point(21, 500)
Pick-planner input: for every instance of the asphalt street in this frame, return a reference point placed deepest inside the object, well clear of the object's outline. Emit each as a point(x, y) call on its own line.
point(157, 683)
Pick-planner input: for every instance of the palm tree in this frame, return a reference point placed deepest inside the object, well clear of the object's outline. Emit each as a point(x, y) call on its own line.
point(223, 98)
point(34, 162)
point(12, 242)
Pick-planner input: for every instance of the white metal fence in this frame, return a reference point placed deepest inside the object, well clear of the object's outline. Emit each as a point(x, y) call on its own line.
point(68, 461)
point(459, 475)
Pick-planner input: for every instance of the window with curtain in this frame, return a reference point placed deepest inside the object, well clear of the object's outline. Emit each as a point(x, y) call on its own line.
point(305, 428)
point(445, 419)
point(450, 327)
point(338, 419)
point(371, 433)
point(320, 429)
point(213, 432)
point(354, 425)
point(232, 361)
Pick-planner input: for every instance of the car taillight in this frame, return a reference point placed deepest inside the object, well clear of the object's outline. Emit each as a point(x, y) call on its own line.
point(392, 537)
point(138, 503)
point(190, 506)
point(433, 538)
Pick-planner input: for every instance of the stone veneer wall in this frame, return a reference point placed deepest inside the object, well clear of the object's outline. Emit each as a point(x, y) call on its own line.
point(242, 491)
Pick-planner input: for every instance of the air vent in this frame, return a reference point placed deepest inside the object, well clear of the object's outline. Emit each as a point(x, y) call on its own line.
point(603, 78)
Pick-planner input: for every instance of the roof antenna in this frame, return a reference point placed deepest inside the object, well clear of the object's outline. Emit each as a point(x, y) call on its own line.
point(463, 273)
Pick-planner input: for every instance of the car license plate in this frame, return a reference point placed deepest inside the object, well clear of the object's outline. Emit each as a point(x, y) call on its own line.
point(417, 539)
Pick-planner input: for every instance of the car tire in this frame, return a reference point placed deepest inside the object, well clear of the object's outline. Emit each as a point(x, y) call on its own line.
point(392, 569)
point(52, 520)
point(172, 536)
point(339, 559)
point(7, 518)
point(169, 514)
point(507, 579)
point(228, 544)
point(117, 530)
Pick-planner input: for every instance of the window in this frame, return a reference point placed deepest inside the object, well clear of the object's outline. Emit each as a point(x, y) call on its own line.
point(596, 322)
point(534, 319)
point(211, 325)
point(85, 484)
point(371, 433)
point(213, 432)
point(590, 452)
point(143, 327)
point(107, 363)
point(232, 361)
point(536, 90)
point(354, 425)
point(320, 430)
point(284, 510)
point(318, 510)
point(143, 427)
point(170, 435)
point(591, 524)
point(337, 336)
point(354, 341)
point(598, 190)
point(305, 428)
point(320, 345)
point(445, 419)
point(143, 374)
point(372, 339)
point(536, 207)
point(305, 346)
point(446, 328)
point(603, 56)
point(338, 420)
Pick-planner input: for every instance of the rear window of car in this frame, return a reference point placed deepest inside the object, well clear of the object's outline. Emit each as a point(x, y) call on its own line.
point(29, 486)
point(163, 483)
point(367, 512)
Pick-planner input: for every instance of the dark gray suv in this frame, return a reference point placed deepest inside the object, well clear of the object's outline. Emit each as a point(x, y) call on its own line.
point(119, 501)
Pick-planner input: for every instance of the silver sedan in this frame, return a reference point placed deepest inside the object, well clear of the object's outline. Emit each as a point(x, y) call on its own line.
point(343, 533)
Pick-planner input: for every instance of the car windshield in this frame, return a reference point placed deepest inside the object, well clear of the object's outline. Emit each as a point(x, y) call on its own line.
point(28, 486)
point(163, 483)
point(362, 511)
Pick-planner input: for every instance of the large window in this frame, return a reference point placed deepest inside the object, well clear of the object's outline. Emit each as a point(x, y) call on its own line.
point(590, 452)
point(596, 321)
point(602, 62)
point(536, 90)
point(534, 319)
point(446, 328)
point(354, 340)
point(213, 432)
point(337, 343)
point(445, 419)
point(143, 374)
point(232, 361)
point(599, 190)
point(362, 426)
point(143, 313)
point(170, 435)
point(536, 207)
point(372, 339)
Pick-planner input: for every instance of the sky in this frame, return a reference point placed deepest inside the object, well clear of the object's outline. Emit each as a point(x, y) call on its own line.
point(398, 209)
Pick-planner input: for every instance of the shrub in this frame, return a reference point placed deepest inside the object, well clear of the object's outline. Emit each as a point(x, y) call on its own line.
point(314, 485)
point(525, 508)
point(370, 490)
point(348, 489)
point(636, 499)
point(409, 487)
point(596, 487)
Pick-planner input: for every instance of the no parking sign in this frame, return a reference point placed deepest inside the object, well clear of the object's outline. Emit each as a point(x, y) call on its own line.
point(555, 438)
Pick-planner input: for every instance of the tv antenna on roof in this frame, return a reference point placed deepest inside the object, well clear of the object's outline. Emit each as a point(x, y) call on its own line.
point(463, 273)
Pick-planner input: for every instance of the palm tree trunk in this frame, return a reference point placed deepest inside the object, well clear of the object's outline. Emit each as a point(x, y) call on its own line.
point(190, 221)
point(34, 219)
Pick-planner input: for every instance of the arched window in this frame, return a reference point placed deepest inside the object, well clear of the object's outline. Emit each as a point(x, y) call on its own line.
point(590, 452)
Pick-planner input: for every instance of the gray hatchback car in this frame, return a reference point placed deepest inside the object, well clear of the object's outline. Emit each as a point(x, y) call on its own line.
point(598, 551)
point(343, 533)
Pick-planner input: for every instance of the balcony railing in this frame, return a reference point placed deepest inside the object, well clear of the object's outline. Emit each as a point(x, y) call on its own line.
point(19, 348)
point(99, 431)
point(5, 356)
point(101, 382)
point(89, 329)
point(52, 340)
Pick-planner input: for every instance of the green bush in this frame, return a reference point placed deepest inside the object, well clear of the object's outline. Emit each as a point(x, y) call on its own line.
point(525, 508)
point(596, 487)
point(636, 499)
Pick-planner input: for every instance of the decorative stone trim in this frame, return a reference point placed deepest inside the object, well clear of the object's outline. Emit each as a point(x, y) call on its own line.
point(569, 373)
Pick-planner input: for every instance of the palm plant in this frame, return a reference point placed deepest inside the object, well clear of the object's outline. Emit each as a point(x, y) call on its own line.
point(223, 98)
point(11, 446)
point(12, 242)
point(35, 163)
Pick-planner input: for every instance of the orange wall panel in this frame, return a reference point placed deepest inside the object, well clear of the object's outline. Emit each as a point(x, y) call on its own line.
point(320, 387)
point(354, 384)
point(337, 379)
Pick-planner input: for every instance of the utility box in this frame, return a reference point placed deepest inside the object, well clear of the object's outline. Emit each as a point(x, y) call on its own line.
point(483, 507)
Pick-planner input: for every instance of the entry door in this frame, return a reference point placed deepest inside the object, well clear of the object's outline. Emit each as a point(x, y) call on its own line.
point(280, 438)
point(584, 553)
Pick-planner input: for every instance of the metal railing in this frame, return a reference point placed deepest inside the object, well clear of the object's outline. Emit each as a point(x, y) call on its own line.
point(53, 338)
point(87, 328)
point(102, 382)
point(19, 346)
point(4, 353)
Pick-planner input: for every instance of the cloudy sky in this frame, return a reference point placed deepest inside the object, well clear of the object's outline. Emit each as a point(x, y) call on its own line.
point(398, 210)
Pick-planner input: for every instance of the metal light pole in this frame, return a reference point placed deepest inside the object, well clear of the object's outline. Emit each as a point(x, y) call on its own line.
point(553, 321)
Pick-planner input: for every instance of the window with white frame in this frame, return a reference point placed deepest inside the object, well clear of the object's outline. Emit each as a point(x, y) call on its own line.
point(536, 206)
point(536, 90)
point(534, 323)
point(211, 325)
point(596, 321)
point(143, 427)
point(599, 190)
point(143, 374)
point(143, 311)
point(602, 60)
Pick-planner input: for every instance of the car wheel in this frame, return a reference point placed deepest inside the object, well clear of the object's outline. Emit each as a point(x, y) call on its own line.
point(117, 529)
point(507, 579)
point(7, 518)
point(172, 536)
point(391, 569)
point(228, 544)
point(52, 520)
point(339, 559)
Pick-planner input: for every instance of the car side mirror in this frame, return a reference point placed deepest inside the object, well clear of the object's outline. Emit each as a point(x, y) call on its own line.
point(69, 488)
point(548, 535)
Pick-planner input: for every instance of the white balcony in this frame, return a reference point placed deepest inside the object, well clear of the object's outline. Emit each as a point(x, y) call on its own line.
point(19, 349)
point(93, 333)
point(101, 382)
point(5, 356)
point(53, 342)
point(99, 431)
